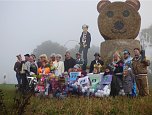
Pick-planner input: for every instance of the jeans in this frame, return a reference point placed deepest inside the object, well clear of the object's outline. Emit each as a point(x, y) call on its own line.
point(85, 58)
point(134, 93)
point(142, 85)
point(18, 77)
point(25, 84)
point(116, 85)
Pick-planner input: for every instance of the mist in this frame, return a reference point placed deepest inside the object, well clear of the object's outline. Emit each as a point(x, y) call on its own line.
point(25, 24)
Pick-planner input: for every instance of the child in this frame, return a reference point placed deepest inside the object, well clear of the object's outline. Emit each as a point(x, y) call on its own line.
point(104, 87)
point(40, 88)
point(72, 86)
point(128, 79)
point(97, 68)
point(44, 72)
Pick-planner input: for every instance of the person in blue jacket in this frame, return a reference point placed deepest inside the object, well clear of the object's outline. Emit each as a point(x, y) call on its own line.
point(128, 62)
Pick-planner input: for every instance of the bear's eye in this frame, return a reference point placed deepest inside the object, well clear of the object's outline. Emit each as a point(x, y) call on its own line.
point(110, 14)
point(126, 13)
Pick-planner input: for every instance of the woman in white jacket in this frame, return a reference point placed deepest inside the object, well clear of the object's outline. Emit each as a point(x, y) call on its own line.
point(59, 65)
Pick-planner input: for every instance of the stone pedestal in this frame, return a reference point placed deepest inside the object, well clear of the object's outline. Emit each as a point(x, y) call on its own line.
point(108, 48)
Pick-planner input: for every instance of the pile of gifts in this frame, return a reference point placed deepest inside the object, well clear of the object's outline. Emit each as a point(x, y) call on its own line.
point(74, 83)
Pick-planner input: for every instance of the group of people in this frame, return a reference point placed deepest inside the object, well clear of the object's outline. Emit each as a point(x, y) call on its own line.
point(129, 73)
point(53, 75)
point(120, 76)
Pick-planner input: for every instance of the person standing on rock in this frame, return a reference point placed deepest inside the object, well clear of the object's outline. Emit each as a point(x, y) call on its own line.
point(85, 40)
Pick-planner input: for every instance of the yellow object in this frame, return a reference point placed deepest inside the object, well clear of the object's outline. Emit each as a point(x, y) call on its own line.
point(97, 68)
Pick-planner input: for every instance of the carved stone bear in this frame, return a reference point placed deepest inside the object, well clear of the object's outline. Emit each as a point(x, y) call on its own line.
point(119, 24)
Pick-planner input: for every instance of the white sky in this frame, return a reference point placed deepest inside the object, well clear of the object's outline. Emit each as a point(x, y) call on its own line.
point(24, 24)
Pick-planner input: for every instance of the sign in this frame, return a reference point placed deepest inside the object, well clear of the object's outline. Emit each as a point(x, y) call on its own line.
point(95, 79)
point(106, 79)
point(83, 81)
point(74, 76)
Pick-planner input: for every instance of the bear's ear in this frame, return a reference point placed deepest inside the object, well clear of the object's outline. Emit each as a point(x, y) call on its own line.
point(102, 4)
point(134, 3)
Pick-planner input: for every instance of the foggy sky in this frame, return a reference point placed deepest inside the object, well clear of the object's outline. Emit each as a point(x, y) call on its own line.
point(24, 24)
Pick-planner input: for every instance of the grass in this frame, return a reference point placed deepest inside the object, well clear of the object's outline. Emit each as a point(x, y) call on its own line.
point(83, 105)
point(9, 92)
point(92, 106)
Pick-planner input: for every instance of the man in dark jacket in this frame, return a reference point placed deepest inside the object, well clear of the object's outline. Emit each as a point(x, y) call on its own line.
point(17, 69)
point(69, 61)
point(25, 71)
point(97, 62)
point(85, 40)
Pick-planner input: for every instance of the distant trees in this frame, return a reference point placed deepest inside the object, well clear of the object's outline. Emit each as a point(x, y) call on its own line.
point(49, 47)
point(146, 38)
point(147, 33)
point(146, 42)
point(91, 52)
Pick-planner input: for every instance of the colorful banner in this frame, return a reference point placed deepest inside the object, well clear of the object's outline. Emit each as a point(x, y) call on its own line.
point(95, 79)
point(74, 76)
point(106, 79)
point(83, 81)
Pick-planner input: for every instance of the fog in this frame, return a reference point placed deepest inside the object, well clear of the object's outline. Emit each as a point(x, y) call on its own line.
point(24, 24)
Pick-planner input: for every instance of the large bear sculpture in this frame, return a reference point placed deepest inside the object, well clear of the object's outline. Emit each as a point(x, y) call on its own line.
point(119, 24)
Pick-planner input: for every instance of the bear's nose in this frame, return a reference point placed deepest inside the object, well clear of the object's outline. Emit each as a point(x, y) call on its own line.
point(118, 25)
